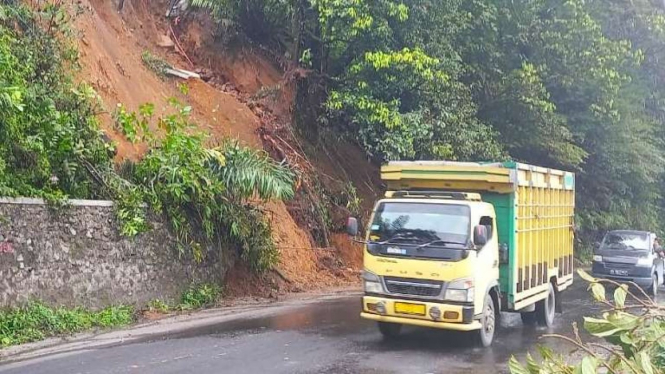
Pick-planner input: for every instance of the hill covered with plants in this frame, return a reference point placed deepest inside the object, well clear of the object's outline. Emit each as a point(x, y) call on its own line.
point(567, 84)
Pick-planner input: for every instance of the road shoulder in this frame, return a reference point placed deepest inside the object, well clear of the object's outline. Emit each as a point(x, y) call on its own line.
point(237, 309)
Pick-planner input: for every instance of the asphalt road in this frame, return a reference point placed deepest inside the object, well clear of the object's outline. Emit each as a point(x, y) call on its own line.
point(320, 337)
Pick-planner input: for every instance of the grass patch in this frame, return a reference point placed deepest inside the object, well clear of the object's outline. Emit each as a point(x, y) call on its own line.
point(199, 296)
point(36, 321)
point(154, 63)
point(196, 297)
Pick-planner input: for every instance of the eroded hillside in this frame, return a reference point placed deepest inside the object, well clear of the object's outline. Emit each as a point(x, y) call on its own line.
point(244, 93)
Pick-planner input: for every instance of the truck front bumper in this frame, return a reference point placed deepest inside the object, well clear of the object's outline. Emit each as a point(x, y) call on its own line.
point(452, 317)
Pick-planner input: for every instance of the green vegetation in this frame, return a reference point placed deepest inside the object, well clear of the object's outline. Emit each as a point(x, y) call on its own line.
point(196, 297)
point(568, 84)
point(51, 147)
point(205, 192)
point(199, 296)
point(37, 321)
point(154, 63)
point(633, 329)
point(48, 131)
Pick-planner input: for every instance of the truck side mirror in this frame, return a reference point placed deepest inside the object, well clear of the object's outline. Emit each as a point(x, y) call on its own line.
point(596, 245)
point(480, 235)
point(352, 226)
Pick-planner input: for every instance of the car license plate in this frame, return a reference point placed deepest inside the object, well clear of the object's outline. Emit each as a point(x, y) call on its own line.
point(406, 308)
point(618, 272)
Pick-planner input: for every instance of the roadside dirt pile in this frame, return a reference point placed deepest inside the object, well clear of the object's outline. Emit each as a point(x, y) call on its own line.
point(242, 94)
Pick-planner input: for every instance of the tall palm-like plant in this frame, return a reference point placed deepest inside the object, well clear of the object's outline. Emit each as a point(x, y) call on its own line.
point(249, 173)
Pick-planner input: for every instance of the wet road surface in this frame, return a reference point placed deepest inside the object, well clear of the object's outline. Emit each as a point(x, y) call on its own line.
point(325, 337)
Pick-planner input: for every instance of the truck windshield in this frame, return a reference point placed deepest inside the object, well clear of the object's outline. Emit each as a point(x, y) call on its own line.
point(421, 223)
point(626, 241)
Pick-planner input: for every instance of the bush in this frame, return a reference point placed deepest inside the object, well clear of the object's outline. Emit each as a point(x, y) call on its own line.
point(633, 329)
point(199, 296)
point(203, 192)
point(48, 132)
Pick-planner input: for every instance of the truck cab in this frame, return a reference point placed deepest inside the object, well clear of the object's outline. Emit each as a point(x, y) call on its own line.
point(445, 248)
point(425, 248)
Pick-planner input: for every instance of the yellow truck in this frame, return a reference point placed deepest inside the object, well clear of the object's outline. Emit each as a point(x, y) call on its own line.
point(452, 244)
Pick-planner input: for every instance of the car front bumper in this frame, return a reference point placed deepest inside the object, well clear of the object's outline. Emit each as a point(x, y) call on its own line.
point(638, 275)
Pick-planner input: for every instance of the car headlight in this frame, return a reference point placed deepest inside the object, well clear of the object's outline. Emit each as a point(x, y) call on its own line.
point(598, 258)
point(644, 261)
point(461, 290)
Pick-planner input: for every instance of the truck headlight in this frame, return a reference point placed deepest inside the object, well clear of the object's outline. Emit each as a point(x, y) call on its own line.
point(370, 277)
point(644, 261)
point(598, 258)
point(372, 282)
point(461, 290)
point(373, 287)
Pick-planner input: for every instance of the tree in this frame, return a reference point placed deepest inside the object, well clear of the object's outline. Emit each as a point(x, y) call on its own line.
point(567, 84)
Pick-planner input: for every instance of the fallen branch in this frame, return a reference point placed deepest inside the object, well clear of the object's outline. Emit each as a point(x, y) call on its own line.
point(179, 47)
point(184, 74)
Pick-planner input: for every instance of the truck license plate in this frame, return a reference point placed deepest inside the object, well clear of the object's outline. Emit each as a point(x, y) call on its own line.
point(406, 308)
point(618, 272)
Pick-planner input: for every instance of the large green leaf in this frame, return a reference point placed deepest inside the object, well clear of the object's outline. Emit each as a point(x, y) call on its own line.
point(516, 367)
point(598, 291)
point(644, 362)
point(620, 296)
point(585, 276)
point(600, 327)
point(589, 365)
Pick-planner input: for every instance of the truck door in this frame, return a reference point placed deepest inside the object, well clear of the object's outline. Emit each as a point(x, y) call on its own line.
point(488, 256)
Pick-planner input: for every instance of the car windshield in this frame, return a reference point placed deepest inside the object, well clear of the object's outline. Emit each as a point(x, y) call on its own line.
point(447, 224)
point(626, 241)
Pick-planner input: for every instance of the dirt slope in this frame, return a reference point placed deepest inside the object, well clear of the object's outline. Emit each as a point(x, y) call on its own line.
point(111, 45)
point(111, 60)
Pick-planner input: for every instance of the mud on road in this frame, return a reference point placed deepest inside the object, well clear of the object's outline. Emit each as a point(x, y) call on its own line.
point(322, 336)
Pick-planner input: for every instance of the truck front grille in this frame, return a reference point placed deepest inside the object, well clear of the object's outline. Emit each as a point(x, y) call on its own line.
point(413, 287)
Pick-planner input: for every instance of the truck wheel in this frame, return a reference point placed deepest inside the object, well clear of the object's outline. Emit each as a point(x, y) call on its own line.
point(545, 309)
point(389, 330)
point(488, 321)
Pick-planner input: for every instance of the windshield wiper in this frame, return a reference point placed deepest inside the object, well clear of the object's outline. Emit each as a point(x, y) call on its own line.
point(437, 242)
point(400, 236)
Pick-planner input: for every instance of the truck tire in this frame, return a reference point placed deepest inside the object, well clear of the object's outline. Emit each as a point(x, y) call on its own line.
point(488, 321)
point(389, 330)
point(545, 309)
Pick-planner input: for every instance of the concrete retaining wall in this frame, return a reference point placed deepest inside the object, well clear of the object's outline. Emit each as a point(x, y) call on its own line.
point(75, 256)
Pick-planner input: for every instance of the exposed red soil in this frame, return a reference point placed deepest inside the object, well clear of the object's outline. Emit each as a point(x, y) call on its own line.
point(111, 45)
